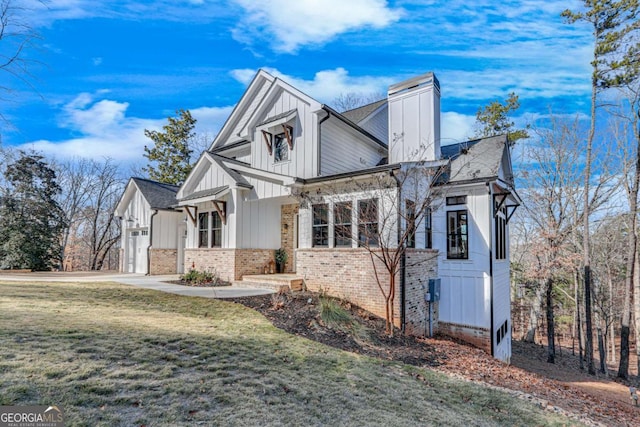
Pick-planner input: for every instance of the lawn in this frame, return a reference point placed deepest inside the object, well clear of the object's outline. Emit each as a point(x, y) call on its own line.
point(110, 354)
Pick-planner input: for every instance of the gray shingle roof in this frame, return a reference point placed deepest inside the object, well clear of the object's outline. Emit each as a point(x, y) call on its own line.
point(358, 114)
point(278, 117)
point(159, 195)
point(475, 160)
point(205, 193)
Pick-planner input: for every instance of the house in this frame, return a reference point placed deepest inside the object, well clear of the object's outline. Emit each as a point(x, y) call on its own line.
point(286, 171)
point(153, 230)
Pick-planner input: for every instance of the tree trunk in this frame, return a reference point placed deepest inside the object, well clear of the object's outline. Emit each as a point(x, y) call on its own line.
point(551, 349)
point(612, 331)
point(579, 320)
point(629, 285)
point(534, 313)
point(602, 351)
point(636, 305)
point(586, 247)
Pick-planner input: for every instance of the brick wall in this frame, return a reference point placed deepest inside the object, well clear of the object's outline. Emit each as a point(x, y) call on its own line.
point(220, 260)
point(287, 215)
point(230, 264)
point(420, 266)
point(347, 274)
point(480, 337)
point(163, 261)
point(251, 261)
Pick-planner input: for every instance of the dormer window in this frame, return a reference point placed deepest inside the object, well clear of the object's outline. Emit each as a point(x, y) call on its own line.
point(280, 148)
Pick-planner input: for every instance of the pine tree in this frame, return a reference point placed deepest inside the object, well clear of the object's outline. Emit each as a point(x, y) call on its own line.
point(171, 153)
point(493, 119)
point(31, 221)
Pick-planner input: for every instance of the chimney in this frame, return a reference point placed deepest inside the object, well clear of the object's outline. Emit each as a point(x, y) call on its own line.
point(414, 119)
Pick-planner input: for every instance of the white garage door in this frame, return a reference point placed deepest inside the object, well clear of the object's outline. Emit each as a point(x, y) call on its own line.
point(137, 251)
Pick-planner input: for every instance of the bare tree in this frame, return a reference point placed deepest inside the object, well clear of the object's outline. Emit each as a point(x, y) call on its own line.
point(552, 198)
point(16, 37)
point(91, 190)
point(349, 101)
point(626, 132)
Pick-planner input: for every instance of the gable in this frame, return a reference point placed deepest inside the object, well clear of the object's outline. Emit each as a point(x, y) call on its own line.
point(244, 109)
point(208, 174)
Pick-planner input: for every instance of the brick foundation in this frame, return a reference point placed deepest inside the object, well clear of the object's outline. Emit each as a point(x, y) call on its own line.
point(480, 337)
point(163, 261)
point(229, 264)
point(348, 274)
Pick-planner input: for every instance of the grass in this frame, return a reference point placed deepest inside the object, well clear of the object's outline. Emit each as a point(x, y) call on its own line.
point(115, 355)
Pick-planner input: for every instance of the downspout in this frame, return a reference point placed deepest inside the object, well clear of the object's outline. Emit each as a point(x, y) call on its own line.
point(403, 261)
point(490, 194)
point(155, 212)
point(322, 120)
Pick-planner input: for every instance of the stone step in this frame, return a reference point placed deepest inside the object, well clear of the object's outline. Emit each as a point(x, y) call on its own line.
point(277, 282)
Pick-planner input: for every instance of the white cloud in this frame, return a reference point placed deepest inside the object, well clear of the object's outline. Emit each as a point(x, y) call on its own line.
point(105, 130)
point(326, 85)
point(289, 25)
point(456, 127)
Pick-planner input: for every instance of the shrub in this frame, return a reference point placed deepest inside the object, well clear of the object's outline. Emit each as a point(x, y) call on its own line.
point(197, 278)
point(333, 313)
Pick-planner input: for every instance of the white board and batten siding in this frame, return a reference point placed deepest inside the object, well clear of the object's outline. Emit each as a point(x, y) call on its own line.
point(165, 229)
point(502, 304)
point(303, 158)
point(213, 177)
point(343, 149)
point(414, 125)
point(466, 284)
point(138, 210)
point(258, 224)
point(235, 135)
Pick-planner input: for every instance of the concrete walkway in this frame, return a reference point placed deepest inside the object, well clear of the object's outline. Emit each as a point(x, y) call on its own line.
point(158, 283)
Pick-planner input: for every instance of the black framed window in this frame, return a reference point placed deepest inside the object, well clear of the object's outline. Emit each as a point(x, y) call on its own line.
point(457, 235)
point(203, 230)
point(280, 148)
point(368, 222)
point(428, 232)
point(320, 225)
point(342, 224)
point(456, 200)
point(216, 230)
point(411, 223)
point(501, 233)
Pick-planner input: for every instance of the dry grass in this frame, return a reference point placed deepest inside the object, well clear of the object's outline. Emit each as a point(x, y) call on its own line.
point(115, 355)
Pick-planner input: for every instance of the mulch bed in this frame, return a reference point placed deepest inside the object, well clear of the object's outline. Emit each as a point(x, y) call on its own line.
point(199, 285)
point(298, 313)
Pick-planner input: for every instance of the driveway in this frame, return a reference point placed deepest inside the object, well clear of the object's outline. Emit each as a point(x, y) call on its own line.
point(158, 283)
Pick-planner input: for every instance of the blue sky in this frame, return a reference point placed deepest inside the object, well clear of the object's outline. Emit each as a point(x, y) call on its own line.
point(103, 71)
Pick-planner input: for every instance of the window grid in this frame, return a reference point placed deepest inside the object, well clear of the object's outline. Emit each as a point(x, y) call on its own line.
point(368, 223)
point(457, 235)
point(411, 223)
point(342, 224)
point(203, 230)
point(320, 225)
